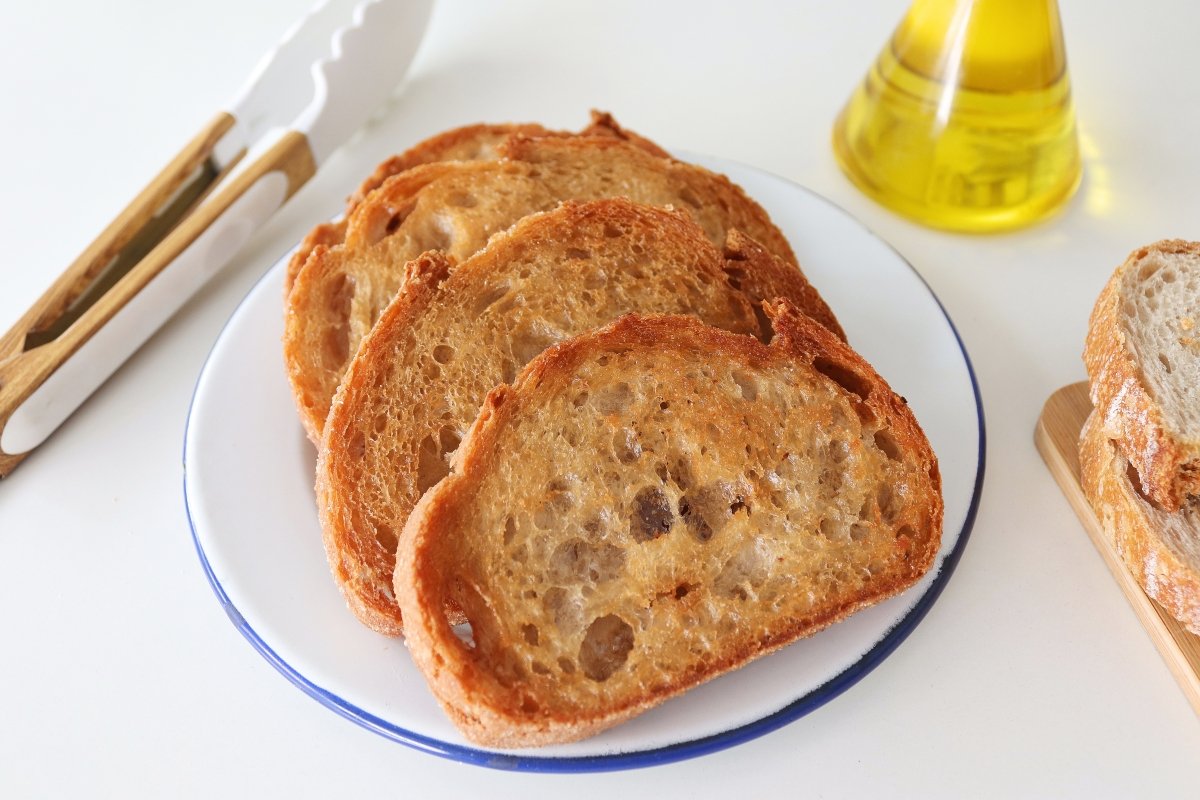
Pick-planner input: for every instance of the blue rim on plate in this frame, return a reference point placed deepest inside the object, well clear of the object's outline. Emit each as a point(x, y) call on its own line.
point(643, 758)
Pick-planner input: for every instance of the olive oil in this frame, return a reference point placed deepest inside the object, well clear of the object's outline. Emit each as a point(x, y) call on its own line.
point(965, 120)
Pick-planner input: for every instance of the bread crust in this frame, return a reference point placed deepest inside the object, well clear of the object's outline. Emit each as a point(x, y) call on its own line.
point(603, 124)
point(494, 713)
point(1161, 549)
point(392, 366)
point(1169, 469)
point(762, 275)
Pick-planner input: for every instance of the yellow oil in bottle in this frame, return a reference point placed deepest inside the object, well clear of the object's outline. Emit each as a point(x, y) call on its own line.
point(965, 120)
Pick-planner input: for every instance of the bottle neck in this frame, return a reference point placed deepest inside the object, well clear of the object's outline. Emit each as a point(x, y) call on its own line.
point(983, 45)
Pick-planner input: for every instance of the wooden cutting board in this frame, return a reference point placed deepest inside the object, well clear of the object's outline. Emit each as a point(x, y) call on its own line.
point(1057, 438)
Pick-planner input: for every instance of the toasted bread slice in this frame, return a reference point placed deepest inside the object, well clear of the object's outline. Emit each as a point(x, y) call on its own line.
point(454, 207)
point(1143, 362)
point(468, 143)
point(445, 342)
point(1160, 548)
point(482, 143)
point(654, 504)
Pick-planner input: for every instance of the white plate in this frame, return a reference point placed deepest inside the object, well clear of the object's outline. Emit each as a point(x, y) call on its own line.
point(248, 484)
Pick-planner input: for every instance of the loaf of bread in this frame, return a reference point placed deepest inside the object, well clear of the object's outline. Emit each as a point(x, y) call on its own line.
point(1160, 548)
point(1143, 363)
point(651, 505)
point(1139, 451)
point(451, 335)
point(453, 207)
point(468, 143)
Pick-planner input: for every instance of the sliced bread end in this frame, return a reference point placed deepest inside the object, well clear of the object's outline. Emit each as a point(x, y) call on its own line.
point(1161, 549)
point(1143, 361)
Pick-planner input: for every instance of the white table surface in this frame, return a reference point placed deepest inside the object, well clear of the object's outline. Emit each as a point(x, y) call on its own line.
point(120, 674)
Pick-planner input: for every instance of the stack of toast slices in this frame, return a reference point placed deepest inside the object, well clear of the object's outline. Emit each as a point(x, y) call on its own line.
point(1139, 450)
point(587, 436)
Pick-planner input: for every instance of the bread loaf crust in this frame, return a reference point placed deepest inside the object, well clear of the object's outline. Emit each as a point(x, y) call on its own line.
point(1169, 468)
point(1161, 549)
point(431, 562)
point(369, 471)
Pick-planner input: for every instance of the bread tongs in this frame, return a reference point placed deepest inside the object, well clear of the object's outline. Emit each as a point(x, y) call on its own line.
point(192, 218)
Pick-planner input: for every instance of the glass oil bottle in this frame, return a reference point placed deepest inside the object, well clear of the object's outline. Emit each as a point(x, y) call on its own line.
point(965, 120)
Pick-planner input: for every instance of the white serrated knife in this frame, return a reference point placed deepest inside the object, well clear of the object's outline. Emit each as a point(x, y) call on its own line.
point(319, 85)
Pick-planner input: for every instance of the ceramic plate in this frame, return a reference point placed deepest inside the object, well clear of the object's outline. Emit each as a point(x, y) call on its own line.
point(248, 482)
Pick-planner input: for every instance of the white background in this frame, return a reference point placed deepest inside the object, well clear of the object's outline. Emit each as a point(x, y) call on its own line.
point(119, 672)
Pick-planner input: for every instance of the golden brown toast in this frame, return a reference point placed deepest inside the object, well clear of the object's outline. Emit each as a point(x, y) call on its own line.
point(468, 143)
point(651, 505)
point(453, 207)
point(453, 334)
